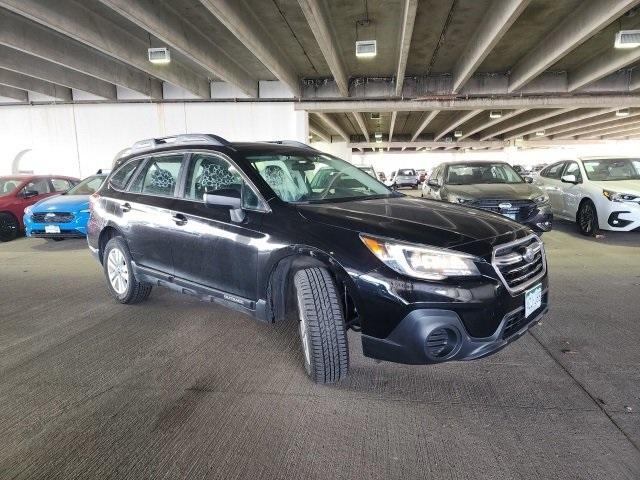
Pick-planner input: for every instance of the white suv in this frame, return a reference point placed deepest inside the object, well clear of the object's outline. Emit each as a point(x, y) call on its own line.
point(595, 192)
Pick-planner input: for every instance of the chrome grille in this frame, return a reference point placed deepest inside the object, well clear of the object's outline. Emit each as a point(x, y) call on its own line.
point(520, 263)
point(521, 209)
point(52, 217)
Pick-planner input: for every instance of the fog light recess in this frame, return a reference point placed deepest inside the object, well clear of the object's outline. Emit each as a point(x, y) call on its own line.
point(442, 343)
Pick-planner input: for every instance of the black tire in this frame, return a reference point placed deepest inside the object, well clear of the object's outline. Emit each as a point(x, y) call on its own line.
point(9, 227)
point(322, 331)
point(587, 219)
point(133, 291)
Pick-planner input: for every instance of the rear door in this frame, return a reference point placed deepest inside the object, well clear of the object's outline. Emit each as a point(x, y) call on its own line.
point(147, 211)
point(208, 247)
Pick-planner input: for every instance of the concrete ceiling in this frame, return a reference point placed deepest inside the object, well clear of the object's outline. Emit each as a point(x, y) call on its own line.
point(441, 65)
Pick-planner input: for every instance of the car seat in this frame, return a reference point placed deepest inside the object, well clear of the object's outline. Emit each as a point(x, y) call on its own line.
point(281, 183)
point(161, 182)
point(214, 176)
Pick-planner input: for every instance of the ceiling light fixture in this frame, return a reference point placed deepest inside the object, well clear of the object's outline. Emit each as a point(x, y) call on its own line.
point(540, 133)
point(159, 55)
point(623, 112)
point(457, 133)
point(627, 39)
point(366, 48)
point(495, 114)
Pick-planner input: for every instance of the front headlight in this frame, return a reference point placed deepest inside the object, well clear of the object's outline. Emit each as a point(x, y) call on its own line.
point(458, 199)
point(86, 210)
point(27, 211)
point(544, 198)
point(620, 197)
point(421, 262)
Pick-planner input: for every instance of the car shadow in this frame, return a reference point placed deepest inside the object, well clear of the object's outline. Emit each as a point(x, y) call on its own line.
point(69, 244)
point(622, 239)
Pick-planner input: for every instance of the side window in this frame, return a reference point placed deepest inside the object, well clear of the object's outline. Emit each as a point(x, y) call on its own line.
point(40, 185)
point(554, 171)
point(159, 176)
point(208, 173)
point(122, 176)
point(573, 169)
point(440, 175)
point(60, 184)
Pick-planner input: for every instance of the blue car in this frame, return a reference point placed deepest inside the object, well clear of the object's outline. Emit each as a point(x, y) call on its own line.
point(65, 215)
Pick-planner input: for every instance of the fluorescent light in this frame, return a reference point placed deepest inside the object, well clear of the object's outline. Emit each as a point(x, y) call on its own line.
point(623, 112)
point(627, 39)
point(159, 55)
point(540, 133)
point(495, 114)
point(378, 135)
point(457, 133)
point(366, 48)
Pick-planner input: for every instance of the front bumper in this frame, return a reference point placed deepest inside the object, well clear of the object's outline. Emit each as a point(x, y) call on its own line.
point(77, 228)
point(541, 220)
point(409, 342)
point(621, 217)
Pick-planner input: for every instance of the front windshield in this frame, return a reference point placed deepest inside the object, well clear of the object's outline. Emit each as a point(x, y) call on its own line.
point(9, 185)
point(88, 186)
point(471, 174)
point(368, 170)
point(609, 169)
point(315, 178)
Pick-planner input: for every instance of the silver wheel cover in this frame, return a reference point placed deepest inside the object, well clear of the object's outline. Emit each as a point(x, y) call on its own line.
point(118, 271)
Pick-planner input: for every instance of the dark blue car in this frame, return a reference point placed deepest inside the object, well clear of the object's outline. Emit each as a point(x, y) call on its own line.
point(65, 215)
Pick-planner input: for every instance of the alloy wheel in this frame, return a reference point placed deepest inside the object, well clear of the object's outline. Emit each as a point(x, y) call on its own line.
point(118, 271)
point(587, 218)
point(8, 228)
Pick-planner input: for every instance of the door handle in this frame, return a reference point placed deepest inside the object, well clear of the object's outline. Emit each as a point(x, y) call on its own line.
point(179, 219)
point(126, 207)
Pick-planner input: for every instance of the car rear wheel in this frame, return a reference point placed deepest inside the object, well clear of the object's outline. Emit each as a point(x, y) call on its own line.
point(9, 227)
point(322, 330)
point(587, 219)
point(121, 281)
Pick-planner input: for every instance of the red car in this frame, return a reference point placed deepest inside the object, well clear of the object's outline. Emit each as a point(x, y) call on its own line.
point(18, 192)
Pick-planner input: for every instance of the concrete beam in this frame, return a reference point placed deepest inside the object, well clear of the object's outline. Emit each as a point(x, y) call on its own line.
point(76, 20)
point(362, 124)
point(526, 121)
point(320, 133)
point(318, 20)
point(21, 34)
point(23, 82)
point(600, 66)
point(406, 32)
point(159, 20)
point(492, 122)
point(601, 130)
point(586, 124)
point(447, 103)
point(14, 93)
point(426, 121)
point(243, 23)
point(333, 125)
point(428, 144)
point(622, 131)
point(31, 66)
point(392, 124)
point(497, 20)
point(584, 22)
point(456, 122)
point(572, 117)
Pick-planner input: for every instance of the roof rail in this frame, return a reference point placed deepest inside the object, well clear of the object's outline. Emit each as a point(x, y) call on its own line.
point(198, 138)
point(291, 143)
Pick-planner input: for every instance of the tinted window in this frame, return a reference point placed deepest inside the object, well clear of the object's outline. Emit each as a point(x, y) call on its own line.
point(406, 172)
point(481, 173)
point(8, 185)
point(554, 171)
point(122, 176)
point(208, 173)
point(609, 169)
point(88, 186)
point(573, 169)
point(159, 176)
point(61, 185)
point(41, 186)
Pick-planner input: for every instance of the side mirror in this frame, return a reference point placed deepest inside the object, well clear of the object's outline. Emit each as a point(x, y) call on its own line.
point(29, 193)
point(569, 179)
point(226, 197)
point(433, 183)
point(528, 179)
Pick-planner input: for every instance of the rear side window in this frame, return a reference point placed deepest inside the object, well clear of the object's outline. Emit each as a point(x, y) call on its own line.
point(61, 184)
point(159, 176)
point(121, 177)
point(41, 186)
point(554, 171)
point(574, 169)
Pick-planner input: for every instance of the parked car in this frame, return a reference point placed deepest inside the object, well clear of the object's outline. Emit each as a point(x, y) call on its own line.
point(535, 170)
point(405, 177)
point(421, 175)
point(240, 224)
point(65, 215)
point(17, 192)
point(369, 170)
point(382, 177)
point(492, 186)
point(595, 192)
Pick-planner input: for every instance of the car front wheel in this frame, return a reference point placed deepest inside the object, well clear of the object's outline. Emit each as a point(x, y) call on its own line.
point(121, 281)
point(9, 227)
point(322, 330)
point(587, 219)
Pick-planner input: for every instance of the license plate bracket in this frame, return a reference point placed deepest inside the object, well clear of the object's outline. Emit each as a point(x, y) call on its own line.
point(51, 229)
point(532, 300)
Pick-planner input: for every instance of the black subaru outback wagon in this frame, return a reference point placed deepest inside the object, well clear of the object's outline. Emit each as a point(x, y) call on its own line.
point(278, 227)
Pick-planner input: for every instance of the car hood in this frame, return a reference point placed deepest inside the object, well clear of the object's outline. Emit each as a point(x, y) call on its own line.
point(62, 203)
point(421, 221)
point(620, 186)
point(502, 191)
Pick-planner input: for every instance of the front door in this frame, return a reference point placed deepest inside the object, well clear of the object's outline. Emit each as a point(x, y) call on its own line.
point(209, 248)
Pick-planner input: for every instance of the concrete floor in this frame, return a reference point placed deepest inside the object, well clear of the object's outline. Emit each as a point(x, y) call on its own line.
point(176, 388)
